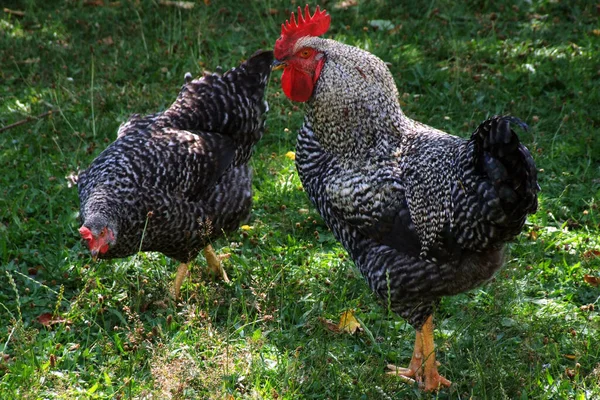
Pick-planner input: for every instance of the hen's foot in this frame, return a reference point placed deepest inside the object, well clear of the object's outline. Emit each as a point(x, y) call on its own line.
point(214, 263)
point(182, 272)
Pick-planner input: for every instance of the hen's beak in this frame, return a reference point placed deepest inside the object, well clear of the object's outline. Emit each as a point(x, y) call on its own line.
point(94, 255)
point(277, 65)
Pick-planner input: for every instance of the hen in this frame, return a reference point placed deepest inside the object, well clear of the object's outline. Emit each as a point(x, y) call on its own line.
point(423, 214)
point(175, 181)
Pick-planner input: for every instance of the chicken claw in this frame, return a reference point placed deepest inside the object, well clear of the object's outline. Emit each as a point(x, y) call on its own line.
point(214, 263)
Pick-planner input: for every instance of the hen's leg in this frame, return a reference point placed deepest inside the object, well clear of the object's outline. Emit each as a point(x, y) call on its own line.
point(182, 271)
point(214, 263)
point(433, 380)
point(414, 370)
point(214, 266)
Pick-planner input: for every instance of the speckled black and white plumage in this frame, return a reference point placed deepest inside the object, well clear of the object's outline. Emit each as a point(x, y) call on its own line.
point(423, 214)
point(183, 172)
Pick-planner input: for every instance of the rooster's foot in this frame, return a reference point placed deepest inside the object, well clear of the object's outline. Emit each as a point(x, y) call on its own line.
point(423, 366)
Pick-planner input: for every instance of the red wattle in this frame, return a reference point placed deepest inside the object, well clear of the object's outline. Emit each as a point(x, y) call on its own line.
point(318, 70)
point(296, 85)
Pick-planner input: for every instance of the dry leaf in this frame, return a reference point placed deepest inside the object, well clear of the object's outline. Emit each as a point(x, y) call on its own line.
point(45, 319)
point(291, 155)
point(592, 280)
point(570, 356)
point(344, 5)
point(348, 323)
point(48, 320)
point(589, 254)
point(74, 347)
point(94, 3)
point(107, 41)
point(186, 5)
point(329, 325)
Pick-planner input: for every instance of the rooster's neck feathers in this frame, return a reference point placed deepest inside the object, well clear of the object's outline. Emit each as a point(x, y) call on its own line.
point(355, 101)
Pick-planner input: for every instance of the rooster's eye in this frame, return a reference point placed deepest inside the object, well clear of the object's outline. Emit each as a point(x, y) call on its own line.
point(305, 53)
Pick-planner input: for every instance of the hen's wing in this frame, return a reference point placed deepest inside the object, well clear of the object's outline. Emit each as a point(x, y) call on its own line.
point(136, 123)
point(175, 162)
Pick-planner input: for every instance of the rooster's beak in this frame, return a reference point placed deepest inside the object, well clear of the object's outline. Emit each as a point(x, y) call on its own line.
point(94, 255)
point(277, 65)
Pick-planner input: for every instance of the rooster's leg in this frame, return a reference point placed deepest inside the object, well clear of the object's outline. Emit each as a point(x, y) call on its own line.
point(182, 271)
point(433, 380)
point(414, 370)
point(214, 263)
point(422, 367)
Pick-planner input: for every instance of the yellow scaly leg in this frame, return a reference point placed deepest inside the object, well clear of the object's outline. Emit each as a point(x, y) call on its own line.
point(182, 272)
point(433, 380)
point(214, 263)
point(414, 372)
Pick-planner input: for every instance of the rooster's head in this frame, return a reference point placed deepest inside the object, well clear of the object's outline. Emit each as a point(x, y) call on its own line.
point(301, 64)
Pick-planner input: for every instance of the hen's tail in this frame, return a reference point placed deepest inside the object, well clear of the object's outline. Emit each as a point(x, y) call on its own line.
point(507, 163)
point(231, 104)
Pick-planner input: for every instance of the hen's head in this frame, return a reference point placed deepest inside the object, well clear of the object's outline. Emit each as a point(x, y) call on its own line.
point(301, 64)
point(99, 237)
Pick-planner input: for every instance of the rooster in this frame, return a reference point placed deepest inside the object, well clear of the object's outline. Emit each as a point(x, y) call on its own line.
point(174, 181)
point(422, 213)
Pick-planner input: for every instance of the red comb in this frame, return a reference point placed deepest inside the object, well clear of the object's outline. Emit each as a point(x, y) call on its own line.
point(85, 233)
point(307, 25)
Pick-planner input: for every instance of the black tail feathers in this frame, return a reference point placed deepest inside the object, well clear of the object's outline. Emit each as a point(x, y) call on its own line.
point(508, 164)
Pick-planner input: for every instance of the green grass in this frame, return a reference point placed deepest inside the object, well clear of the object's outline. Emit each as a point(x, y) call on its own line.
point(117, 334)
